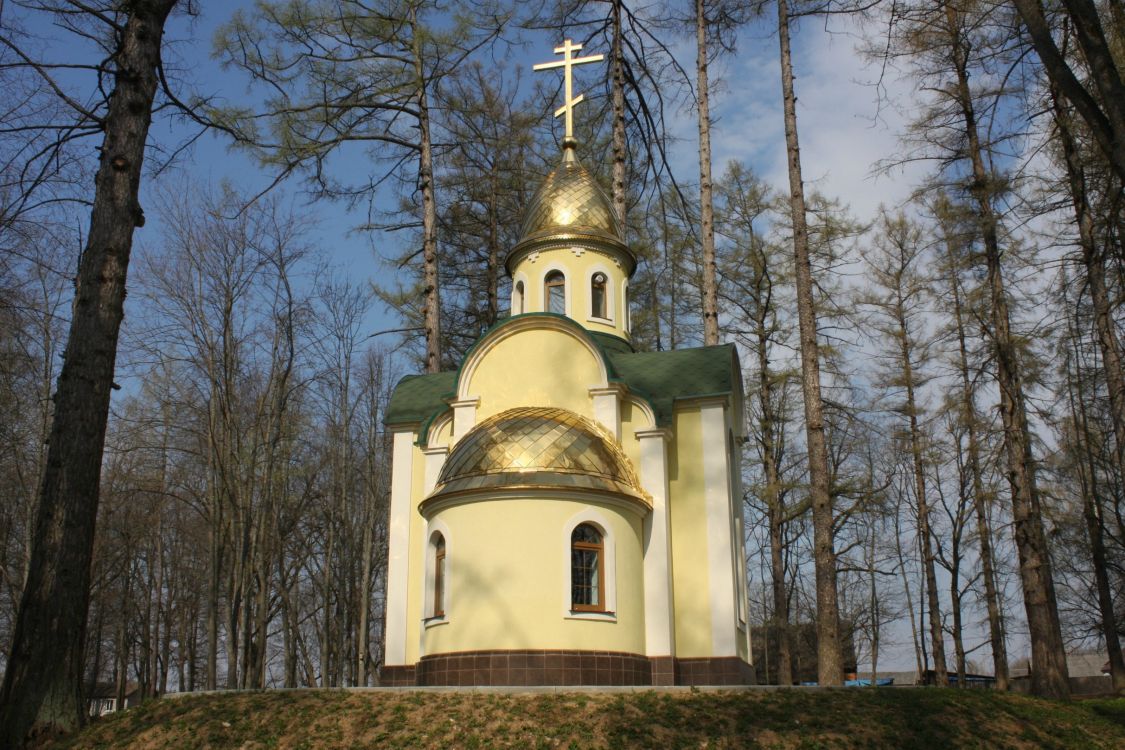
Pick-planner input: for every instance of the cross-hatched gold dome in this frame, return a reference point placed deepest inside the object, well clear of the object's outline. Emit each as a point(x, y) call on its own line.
point(537, 448)
point(570, 202)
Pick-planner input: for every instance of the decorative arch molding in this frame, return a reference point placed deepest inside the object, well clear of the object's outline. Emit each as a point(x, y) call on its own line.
point(519, 324)
point(597, 519)
point(644, 409)
point(627, 506)
point(436, 431)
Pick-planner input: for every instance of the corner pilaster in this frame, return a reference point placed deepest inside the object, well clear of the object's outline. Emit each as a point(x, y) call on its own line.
point(720, 552)
point(607, 408)
point(464, 416)
point(659, 622)
point(398, 562)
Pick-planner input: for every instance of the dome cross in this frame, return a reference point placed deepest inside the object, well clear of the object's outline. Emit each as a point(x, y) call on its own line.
point(567, 64)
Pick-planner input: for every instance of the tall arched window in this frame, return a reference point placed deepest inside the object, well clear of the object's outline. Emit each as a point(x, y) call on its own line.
point(439, 575)
point(554, 292)
point(587, 577)
point(598, 296)
point(517, 303)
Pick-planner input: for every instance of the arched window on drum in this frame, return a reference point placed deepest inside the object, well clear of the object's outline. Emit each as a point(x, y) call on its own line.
point(554, 292)
point(599, 304)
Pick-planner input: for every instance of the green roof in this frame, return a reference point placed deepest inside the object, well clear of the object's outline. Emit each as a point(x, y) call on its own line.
point(659, 377)
point(664, 377)
point(417, 397)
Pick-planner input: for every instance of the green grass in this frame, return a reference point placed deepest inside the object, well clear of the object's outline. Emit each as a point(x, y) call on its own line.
point(787, 719)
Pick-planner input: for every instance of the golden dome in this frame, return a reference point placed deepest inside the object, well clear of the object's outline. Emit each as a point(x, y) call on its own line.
point(570, 202)
point(537, 448)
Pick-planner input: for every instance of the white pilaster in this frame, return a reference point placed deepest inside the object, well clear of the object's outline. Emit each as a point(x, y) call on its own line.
point(398, 563)
point(607, 409)
point(464, 416)
point(435, 460)
point(659, 621)
point(717, 489)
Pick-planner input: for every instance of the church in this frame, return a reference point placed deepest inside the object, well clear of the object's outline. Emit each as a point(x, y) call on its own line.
point(565, 510)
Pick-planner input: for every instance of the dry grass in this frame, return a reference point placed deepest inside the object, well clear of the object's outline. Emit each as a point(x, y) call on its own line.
point(856, 718)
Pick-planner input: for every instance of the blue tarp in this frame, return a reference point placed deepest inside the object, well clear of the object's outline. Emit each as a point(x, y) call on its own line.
point(881, 682)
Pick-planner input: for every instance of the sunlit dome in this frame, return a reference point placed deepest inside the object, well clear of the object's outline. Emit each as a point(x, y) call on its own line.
point(570, 205)
point(570, 200)
point(537, 448)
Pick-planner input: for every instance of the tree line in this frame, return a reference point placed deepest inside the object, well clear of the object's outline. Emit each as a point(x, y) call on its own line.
point(936, 395)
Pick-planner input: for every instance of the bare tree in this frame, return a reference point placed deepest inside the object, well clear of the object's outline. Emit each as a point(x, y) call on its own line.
point(42, 684)
point(897, 303)
point(829, 656)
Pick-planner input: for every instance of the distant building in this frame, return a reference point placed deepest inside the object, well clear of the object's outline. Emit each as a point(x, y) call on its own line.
point(1089, 674)
point(102, 699)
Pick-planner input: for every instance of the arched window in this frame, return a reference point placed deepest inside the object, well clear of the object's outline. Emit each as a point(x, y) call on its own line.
point(587, 575)
point(517, 303)
point(625, 304)
point(439, 575)
point(598, 296)
point(554, 292)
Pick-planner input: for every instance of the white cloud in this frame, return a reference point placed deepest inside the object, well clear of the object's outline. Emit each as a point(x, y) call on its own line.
point(843, 132)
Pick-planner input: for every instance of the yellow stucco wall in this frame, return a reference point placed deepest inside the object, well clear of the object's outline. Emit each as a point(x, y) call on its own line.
point(688, 524)
point(534, 367)
point(508, 571)
point(578, 268)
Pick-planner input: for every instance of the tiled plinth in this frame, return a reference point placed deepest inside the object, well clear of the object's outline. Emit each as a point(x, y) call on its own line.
point(561, 668)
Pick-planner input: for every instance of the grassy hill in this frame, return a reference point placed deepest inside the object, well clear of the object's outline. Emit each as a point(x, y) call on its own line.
point(855, 718)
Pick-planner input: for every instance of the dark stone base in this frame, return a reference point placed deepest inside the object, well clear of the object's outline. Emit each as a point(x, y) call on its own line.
point(398, 676)
point(534, 668)
point(528, 668)
point(723, 670)
point(663, 670)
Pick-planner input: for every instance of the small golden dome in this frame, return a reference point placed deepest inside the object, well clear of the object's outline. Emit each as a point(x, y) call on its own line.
point(537, 448)
point(570, 202)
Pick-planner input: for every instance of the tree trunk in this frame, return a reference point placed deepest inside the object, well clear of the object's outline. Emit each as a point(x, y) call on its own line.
point(1049, 671)
point(42, 691)
point(619, 148)
point(775, 506)
point(430, 281)
point(830, 662)
point(925, 537)
point(493, 270)
point(873, 605)
point(1093, 261)
point(706, 206)
point(980, 508)
point(919, 661)
point(1106, 125)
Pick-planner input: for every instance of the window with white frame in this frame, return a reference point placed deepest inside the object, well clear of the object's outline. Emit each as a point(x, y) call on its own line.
point(599, 303)
point(437, 578)
point(554, 292)
point(587, 569)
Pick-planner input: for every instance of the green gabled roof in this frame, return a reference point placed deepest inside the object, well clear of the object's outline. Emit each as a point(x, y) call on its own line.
point(417, 397)
point(611, 344)
point(664, 377)
point(659, 377)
